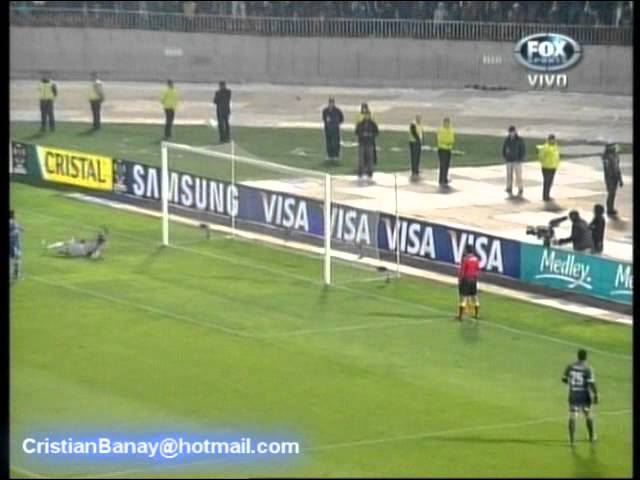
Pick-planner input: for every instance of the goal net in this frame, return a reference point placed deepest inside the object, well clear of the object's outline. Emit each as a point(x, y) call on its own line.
point(224, 192)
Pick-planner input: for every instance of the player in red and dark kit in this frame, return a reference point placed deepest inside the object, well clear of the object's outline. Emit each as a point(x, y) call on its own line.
point(468, 282)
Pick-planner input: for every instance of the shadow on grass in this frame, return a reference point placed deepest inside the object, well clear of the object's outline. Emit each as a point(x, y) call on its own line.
point(149, 260)
point(87, 132)
point(469, 331)
point(35, 136)
point(552, 206)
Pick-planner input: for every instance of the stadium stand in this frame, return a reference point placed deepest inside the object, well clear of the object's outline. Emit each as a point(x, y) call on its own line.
point(598, 22)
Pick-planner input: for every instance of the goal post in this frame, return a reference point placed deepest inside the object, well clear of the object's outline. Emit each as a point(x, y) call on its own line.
point(227, 189)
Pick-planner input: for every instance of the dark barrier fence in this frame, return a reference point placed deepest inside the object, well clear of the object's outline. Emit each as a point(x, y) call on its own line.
point(313, 27)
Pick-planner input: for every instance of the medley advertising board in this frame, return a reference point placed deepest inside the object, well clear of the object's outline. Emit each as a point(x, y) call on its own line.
point(576, 272)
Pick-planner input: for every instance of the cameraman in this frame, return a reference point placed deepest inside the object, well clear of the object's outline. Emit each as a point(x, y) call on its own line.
point(597, 227)
point(581, 235)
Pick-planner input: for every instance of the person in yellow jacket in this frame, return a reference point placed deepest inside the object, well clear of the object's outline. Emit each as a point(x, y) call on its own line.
point(444, 139)
point(48, 91)
point(415, 146)
point(549, 158)
point(96, 97)
point(169, 101)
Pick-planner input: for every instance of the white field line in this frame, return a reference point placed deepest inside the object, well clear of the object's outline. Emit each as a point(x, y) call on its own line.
point(345, 288)
point(417, 436)
point(372, 441)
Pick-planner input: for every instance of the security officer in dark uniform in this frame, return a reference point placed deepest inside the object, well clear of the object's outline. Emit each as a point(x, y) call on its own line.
point(415, 146)
point(581, 235)
point(332, 117)
point(612, 175)
point(366, 131)
point(48, 92)
point(222, 101)
point(96, 97)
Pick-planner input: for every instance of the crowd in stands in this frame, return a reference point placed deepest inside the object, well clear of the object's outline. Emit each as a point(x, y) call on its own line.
point(611, 13)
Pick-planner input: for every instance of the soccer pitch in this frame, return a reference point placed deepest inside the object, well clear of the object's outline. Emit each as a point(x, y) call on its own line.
point(373, 379)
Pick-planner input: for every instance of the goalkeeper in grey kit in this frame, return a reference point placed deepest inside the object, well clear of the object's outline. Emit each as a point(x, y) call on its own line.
point(80, 247)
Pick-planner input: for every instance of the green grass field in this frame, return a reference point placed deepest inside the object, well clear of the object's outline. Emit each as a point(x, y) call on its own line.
point(142, 143)
point(374, 379)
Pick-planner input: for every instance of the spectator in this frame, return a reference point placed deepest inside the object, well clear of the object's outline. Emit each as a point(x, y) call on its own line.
point(573, 10)
point(468, 12)
point(626, 18)
point(515, 14)
point(454, 11)
point(238, 9)
point(533, 10)
point(605, 11)
point(589, 16)
point(440, 13)
point(405, 10)
point(554, 15)
point(493, 12)
point(189, 9)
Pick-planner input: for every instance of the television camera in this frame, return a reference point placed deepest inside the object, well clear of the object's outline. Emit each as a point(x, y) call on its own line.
point(546, 232)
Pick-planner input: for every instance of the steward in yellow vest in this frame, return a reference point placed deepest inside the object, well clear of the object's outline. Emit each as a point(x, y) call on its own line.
point(549, 158)
point(415, 146)
point(444, 139)
point(169, 101)
point(47, 91)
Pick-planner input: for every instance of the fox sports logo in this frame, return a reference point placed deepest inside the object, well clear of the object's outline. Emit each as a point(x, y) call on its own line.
point(548, 52)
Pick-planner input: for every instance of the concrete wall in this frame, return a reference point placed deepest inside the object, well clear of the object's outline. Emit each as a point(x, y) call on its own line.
point(72, 53)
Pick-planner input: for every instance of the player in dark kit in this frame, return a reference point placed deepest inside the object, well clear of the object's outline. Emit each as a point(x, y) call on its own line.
point(582, 383)
point(468, 282)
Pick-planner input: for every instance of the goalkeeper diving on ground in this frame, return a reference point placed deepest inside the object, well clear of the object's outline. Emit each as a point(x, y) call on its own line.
point(80, 247)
